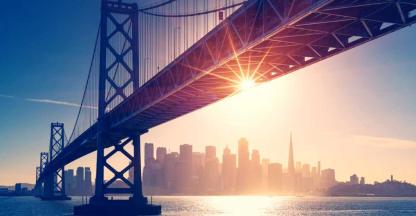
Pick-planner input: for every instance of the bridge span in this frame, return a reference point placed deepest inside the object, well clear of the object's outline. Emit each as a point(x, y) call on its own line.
point(260, 41)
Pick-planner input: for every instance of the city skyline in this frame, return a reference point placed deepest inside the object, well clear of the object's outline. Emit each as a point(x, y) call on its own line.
point(290, 169)
point(297, 165)
point(245, 172)
point(358, 100)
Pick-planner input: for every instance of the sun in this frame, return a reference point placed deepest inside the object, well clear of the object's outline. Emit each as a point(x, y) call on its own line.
point(246, 84)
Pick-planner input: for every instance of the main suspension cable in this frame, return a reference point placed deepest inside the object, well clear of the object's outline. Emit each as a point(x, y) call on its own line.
point(194, 14)
point(156, 6)
point(86, 84)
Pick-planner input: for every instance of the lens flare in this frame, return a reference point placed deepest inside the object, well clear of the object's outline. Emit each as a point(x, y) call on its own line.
point(246, 84)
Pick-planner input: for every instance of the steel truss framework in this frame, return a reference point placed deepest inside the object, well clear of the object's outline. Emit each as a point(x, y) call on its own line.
point(38, 186)
point(114, 61)
point(44, 158)
point(56, 146)
point(37, 173)
point(43, 162)
point(264, 39)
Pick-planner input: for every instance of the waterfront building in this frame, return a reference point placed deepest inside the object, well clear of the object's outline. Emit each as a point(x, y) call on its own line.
point(275, 178)
point(88, 182)
point(79, 184)
point(362, 181)
point(243, 166)
point(264, 174)
point(184, 170)
point(161, 154)
point(70, 183)
point(148, 153)
point(169, 172)
point(229, 171)
point(255, 172)
point(211, 174)
point(328, 178)
point(354, 179)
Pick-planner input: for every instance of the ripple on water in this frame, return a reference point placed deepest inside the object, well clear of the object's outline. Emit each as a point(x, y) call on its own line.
point(233, 205)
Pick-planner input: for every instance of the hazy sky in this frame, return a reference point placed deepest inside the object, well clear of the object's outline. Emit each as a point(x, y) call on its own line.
point(355, 112)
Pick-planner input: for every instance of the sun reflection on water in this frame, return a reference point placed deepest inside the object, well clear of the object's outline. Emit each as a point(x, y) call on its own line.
point(243, 205)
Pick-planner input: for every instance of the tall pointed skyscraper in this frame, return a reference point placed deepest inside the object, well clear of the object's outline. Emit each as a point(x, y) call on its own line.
point(291, 162)
point(290, 182)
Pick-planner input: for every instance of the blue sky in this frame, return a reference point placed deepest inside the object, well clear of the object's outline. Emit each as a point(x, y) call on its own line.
point(45, 51)
point(366, 94)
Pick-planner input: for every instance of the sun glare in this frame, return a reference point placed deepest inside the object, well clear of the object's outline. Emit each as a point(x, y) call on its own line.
point(246, 84)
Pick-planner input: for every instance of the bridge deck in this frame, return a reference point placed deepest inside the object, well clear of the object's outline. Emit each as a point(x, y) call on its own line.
point(265, 39)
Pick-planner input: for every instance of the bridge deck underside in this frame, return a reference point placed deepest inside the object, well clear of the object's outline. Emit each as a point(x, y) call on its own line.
point(263, 40)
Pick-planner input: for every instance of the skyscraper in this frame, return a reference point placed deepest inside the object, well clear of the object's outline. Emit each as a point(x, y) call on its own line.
point(275, 177)
point(69, 182)
point(265, 174)
point(255, 156)
point(306, 179)
point(148, 169)
point(185, 152)
point(211, 174)
point(319, 169)
point(298, 167)
point(243, 166)
point(255, 172)
point(198, 169)
point(88, 182)
point(354, 179)
point(306, 170)
point(80, 181)
point(289, 179)
point(169, 172)
point(229, 171)
point(148, 153)
point(161, 154)
point(184, 169)
point(328, 178)
point(362, 181)
point(210, 153)
point(243, 153)
point(291, 162)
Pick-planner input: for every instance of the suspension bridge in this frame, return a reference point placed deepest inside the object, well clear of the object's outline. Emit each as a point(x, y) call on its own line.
point(156, 61)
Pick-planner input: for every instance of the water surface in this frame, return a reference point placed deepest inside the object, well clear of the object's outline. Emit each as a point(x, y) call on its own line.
point(233, 205)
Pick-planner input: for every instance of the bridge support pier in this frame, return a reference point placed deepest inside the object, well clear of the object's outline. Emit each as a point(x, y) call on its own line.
point(136, 204)
point(38, 186)
point(118, 19)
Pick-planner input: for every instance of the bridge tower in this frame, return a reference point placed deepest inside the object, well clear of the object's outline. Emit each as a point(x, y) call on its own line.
point(54, 185)
point(43, 161)
point(118, 19)
point(37, 189)
point(37, 173)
